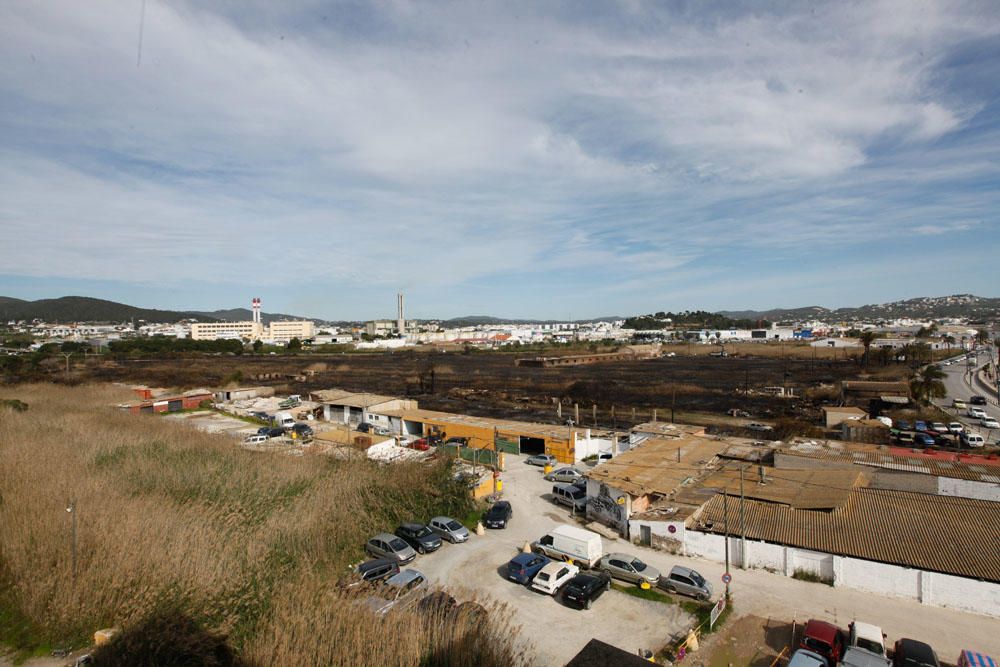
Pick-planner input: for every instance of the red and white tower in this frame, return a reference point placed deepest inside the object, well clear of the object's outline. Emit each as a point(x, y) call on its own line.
point(256, 310)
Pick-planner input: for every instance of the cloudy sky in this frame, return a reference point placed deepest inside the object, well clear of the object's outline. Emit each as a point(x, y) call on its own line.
point(515, 159)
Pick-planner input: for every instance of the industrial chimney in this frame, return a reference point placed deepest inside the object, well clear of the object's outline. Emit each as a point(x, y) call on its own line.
point(256, 310)
point(400, 322)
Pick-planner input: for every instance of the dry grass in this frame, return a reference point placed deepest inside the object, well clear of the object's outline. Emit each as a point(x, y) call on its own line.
point(247, 545)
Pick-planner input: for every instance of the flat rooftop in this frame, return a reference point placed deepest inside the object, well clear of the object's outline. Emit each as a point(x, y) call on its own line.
point(503, 425)
point(661, 466)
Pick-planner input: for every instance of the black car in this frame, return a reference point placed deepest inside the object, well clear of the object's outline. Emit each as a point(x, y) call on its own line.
point(275, 432)
point(583, 589)
point(420, 537)
point(302, 430)
point(378, 569)
point(264, 430)
point(365, 427)
point(977, 400)
point(913, 653)
point(498, 515)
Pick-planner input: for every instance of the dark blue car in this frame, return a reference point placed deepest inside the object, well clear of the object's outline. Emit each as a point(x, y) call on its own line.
point(522, 568)
point(923, 440)
point(919, 426)
point(902, 425)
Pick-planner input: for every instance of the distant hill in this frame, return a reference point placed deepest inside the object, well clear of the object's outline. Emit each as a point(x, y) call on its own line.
point(957, 305)
point(86, 309)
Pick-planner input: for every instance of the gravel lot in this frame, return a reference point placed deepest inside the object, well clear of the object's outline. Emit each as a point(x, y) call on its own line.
point(478, 567)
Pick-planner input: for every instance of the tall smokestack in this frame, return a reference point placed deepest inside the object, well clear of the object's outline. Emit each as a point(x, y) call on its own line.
point(400, 321)
point(256, 310)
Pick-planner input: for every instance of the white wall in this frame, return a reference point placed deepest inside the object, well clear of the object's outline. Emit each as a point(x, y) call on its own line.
point(966, 488)
point(942, 590)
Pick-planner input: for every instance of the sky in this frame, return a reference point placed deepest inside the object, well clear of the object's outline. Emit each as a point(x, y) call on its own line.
point(517, 159)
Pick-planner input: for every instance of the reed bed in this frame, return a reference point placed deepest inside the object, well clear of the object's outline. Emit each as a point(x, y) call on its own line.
point(179, 530)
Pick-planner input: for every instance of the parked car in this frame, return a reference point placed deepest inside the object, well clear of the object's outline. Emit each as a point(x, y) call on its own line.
point(913, 653)
point(522, 568)
point(629, 568)
point(541, 460)
point(902, 425)
point(378, 569)
point(570, 543)
point(584, 588)
point(449, 529)
point(275, 432)
point(385, 545)
point(956, 427)
point(580, 483)
point(255, 439)
point(976, 413)
point(553, 576)
point(570, 495)
point(761, 428)
point(923, 440)
point(958, 403)
point(365, 427)
point(498, 514)
point(867, 637)
point(457, 441)
point(420, 537)
point(420, 444)
point(302, 430)
point(973, 440)
point(977, 400)
point(686, 581)
point(806, 658)
point(989, 422)
point(401, 590)
point(263, 416)
point(263, 430)
point(858, 657)
point(939, 428)
point(564, 475)
point(906, 437)
point(919, 425)
point(823, 638)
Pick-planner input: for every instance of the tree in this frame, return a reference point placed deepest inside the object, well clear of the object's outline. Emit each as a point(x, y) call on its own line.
point(867, 338)
point(982, 336)
point(294, 345)
point(257, 345)
point(927, 384)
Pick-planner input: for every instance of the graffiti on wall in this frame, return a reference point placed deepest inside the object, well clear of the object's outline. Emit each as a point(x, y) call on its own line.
point(606, 509)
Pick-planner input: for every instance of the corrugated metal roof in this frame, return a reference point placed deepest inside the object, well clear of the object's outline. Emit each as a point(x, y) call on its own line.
point(802, 489)
point(655, 466)
point(926, 466)
point(938, 533)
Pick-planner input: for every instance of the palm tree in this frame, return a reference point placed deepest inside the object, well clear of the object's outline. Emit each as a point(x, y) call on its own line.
point(927, 384)
point(867, 338)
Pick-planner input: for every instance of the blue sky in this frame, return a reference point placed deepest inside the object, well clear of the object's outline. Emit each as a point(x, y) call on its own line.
point(516, 159)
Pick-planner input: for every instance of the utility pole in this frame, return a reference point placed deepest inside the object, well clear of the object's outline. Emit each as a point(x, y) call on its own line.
point(67, 355)
point(725, 514)
point(743, 525)
point(71, 509)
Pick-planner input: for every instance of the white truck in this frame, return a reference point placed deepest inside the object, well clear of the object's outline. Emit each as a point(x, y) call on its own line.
point(570, 543)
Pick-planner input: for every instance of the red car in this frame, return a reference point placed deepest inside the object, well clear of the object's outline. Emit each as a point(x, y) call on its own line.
point(420, 445)
point(823, 638)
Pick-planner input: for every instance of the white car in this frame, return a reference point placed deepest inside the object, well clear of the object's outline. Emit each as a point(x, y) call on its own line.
point(977, 413)
point(989, 422)
point(956, 427)
point(867, 637)
point(552, 577)
point(939, 427)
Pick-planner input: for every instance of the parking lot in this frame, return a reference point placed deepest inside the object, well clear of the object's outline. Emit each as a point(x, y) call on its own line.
point(478, 568)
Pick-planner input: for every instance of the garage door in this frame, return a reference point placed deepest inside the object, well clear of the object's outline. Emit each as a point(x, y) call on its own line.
point(175, 406)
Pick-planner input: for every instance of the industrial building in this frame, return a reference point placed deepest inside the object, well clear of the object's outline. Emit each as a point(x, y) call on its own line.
point(278, 332)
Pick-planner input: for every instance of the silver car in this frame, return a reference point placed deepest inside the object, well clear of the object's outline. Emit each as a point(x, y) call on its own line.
point(385, 545)
point(564, 475)
point(400, 590)
point(449, 529)
point(686, 581)
point(541, 460)
point(629, 568)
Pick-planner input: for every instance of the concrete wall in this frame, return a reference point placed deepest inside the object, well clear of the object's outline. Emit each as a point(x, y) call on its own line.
point(932, 588)
point(965, 488)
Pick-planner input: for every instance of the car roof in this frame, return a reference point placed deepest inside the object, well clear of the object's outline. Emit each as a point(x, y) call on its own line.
point(501, 503)
point(372, 564)
point(555, 566)
point(522, 559)
point(803, 656)
point(412, 525)
point(867, 631)
point(825, 632)
point(617, 555)
point(404, 577)
point(680, 569)
point(913, 648)
point(442, 519)
point(385, 537)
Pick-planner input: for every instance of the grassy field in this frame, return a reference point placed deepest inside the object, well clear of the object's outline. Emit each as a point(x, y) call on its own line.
point(195, 546)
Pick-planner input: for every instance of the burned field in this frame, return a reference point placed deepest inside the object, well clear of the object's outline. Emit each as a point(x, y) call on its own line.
point(490, 384)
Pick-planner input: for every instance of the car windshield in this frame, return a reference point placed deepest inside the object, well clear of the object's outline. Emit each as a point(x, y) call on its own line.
point(638, 565)
point(542, 576)
point(869, 645)
point(397, 544)
point(422, 531)
point(697, 578)
point(453, 525)
point(577, 493)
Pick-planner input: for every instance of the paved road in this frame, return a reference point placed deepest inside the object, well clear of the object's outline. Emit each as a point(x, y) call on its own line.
point(957, 387)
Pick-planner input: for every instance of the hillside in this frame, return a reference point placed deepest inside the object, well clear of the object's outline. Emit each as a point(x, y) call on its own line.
point(957, 305)
point(86, 309)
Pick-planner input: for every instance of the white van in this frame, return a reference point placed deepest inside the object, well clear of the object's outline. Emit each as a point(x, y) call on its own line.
point(571, 543)
point(284, 420)
point(973, 440)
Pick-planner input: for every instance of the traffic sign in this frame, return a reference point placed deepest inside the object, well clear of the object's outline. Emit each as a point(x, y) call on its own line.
point(726, 578)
